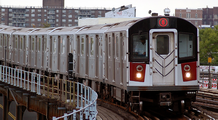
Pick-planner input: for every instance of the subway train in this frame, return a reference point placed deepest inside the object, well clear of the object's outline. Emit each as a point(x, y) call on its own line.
point(151, 60)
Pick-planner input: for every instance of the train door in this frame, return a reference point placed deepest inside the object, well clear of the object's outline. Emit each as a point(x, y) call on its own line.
point(16, 50)
point(24, 49)
point(29, 50)
point(105, 57)
point(97, 44)
point(7, 47)
point(39, 51)
point(86, 56)
point(43, 51)
point(60, 42)
point(21, 51)
point(111, 58)
point(163, 58)
point(36, 51)
point(118, 61)
point(77, 54)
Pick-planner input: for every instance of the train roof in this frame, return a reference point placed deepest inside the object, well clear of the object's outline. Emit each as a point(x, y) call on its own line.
point(65, 30)
point(162, 22)
point(3, 27)
point(94, 29)
point(41, 31)
point(9, 29)
point(24, 31)
point(122, 26)
point(131, 25)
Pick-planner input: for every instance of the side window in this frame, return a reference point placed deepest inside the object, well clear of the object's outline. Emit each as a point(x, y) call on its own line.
point(82, 46)
point(21, 42)
point(63, 42)
point(72, 44)
point(117, 46)
point(39, 44)
point(1, 41)
point(100, 44)
point(186, 45)
point(24, 42)
point(6, 40)
point(113, 46)
point(32, 43)
point(109, 46)
point(140, 46)
point(123, 47)
point(92, 46)
point(54, 45)
point(45, 43)
point(16, 41)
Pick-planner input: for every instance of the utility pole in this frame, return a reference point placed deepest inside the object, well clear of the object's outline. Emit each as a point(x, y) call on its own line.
point(209, 61)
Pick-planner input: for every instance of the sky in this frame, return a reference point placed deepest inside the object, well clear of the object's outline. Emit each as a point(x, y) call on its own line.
point(142, 6)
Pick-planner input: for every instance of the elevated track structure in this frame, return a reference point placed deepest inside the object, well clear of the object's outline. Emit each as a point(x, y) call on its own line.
point(50, 98)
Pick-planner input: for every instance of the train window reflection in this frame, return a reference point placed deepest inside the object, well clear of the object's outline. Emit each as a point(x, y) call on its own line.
point(185, 45)
point(162, 44)
point(140, 46)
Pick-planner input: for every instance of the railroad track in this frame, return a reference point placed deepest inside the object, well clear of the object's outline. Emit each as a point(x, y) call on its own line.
point(112, 111)
point(207, 102)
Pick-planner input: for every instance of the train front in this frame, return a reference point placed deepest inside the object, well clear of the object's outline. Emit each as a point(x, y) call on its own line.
point(163, 61)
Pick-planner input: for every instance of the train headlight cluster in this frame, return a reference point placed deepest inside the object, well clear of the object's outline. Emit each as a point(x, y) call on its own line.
point(187, 68)
point(137, 72)
point(139, 68)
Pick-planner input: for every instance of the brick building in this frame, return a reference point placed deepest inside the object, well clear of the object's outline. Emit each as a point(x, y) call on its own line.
point(53, 3)
point(210, 16)
point(192, 15)
point(52, 12)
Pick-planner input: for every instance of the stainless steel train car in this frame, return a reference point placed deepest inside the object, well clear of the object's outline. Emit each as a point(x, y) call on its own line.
point(138, 62)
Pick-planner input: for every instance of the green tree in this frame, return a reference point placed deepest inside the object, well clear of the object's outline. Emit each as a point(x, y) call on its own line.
point(46, 25)
point(209, 44)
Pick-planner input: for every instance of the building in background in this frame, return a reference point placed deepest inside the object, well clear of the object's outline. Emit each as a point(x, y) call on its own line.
point(120, 14)
point(192, 15)
point(210, 16)
point(202, 18)
point(53, 3)
point(52, 12)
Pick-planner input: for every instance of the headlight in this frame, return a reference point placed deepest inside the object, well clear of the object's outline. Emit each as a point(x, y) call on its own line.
point(138, 75)
point(188, 75)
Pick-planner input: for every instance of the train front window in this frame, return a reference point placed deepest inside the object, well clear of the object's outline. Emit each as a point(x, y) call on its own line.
point(140, 46)
point(162, 47)
point(186, 45)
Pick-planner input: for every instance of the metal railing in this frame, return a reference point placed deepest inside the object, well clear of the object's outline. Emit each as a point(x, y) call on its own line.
point(82, 98)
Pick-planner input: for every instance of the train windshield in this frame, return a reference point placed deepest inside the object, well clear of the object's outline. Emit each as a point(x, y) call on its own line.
point(140, 46)
point(186, 45)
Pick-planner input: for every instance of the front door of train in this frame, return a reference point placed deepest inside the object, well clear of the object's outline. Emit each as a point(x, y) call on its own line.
point(163, 58)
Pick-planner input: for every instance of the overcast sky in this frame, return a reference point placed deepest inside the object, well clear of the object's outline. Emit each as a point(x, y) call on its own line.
point(142, 6)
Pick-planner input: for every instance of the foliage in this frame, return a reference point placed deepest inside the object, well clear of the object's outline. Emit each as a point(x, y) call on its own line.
point(209, 44)
point(46, 25)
